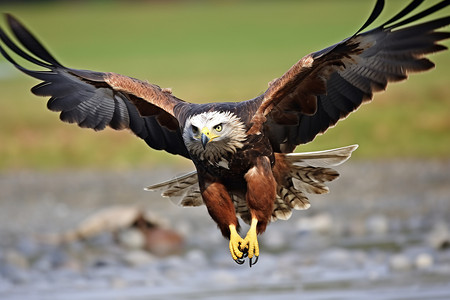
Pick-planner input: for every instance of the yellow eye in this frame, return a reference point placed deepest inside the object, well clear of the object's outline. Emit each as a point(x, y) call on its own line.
point(218, 128)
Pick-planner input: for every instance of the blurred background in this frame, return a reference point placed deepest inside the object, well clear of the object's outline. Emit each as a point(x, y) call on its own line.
point(384, 226)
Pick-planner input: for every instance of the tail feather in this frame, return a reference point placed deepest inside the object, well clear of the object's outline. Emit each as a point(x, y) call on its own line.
point(193, 198)
point(333, 157)
point(311, 179)
point(182, 190)
point(308, 173)
point(172, 182)
point(281, 211)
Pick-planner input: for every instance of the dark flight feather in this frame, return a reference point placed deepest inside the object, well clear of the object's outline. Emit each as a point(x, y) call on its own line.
point(349, 73)
point(85, 98)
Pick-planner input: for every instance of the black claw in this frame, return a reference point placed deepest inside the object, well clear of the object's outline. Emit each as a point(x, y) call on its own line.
point(239, 261)
point(253, 263)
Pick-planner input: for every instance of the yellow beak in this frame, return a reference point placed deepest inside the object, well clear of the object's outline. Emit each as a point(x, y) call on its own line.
point(207, 136)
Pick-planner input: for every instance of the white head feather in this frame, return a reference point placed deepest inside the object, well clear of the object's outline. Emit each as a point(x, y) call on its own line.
point(228, 140)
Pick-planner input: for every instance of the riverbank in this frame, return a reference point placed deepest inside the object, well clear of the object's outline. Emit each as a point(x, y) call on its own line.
point(383, 232)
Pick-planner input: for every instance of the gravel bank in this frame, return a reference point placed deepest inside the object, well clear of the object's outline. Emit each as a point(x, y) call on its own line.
point(383, 231)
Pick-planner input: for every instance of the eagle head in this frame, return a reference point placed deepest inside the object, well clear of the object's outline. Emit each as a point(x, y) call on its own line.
point(211, 135)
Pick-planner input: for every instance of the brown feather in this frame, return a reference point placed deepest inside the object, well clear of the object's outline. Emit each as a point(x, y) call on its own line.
point(220, 207)
point(325, 86)
point(148, 98)
point(144, 90)
point(261, 192)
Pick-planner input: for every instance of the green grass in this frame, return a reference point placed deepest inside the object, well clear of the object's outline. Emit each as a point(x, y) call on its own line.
point(207, 51)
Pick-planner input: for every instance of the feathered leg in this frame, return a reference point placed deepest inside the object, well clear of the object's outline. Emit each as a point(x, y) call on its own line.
point(221, 209)
point(261, 192)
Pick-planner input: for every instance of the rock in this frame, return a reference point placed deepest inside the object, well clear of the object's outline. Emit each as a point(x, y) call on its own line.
point(424, 261)
point(323, 223)
point(110, 219)
point(377, 224)
point(439, 236)
point(335, 257)
point(16, 275)
point(196, 257)
point(136, 258)
point(43, 264)
point(15, 259)
point(28, 247)
point(131, 238)
point(133, 227)
point(400, 262)
point(163, 242)
point(224, 277)
point(51, 259)
point(320, 223)
point(118, 283)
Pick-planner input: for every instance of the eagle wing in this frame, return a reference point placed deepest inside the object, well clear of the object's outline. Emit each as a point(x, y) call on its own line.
point(325, 86)
point(97, 100)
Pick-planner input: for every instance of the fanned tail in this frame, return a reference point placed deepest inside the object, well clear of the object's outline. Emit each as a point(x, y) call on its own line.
point(308, 172)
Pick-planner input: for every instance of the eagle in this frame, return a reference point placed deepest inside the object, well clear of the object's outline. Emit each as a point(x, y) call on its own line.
point(243, 152)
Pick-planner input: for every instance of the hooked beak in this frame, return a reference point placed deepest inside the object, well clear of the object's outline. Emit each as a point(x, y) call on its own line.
point(206, 136)
point(205, 140)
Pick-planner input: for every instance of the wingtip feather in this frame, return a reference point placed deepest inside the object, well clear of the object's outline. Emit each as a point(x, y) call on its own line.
point(29, 41)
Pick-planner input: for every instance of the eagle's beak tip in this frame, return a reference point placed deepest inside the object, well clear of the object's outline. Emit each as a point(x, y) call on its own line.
point(204, 140)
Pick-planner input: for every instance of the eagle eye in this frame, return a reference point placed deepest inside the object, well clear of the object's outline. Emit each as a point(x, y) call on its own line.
point(218, 128)
point(195, 130)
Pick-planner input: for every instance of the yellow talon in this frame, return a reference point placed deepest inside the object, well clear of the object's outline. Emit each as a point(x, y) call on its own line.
point(251, 241)
point(235, 243)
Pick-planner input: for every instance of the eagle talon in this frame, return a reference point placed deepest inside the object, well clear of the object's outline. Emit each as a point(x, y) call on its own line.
point(251, 263)
point(240, 261)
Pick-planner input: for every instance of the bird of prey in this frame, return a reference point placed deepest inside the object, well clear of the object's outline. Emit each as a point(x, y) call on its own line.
point(243, 151)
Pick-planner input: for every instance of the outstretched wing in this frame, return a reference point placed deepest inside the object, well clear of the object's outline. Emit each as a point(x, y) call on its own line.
point(96, 100)
point(325, 86)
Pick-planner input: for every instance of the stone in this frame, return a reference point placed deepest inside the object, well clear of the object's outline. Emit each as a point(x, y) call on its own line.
point(400, 262)
point(137, 258)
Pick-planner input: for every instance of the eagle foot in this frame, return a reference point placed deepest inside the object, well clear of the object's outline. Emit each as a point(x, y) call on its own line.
point(241, 248)
point(249, 246)
point(250, 242)
point(235, 245)
point(241, 260)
